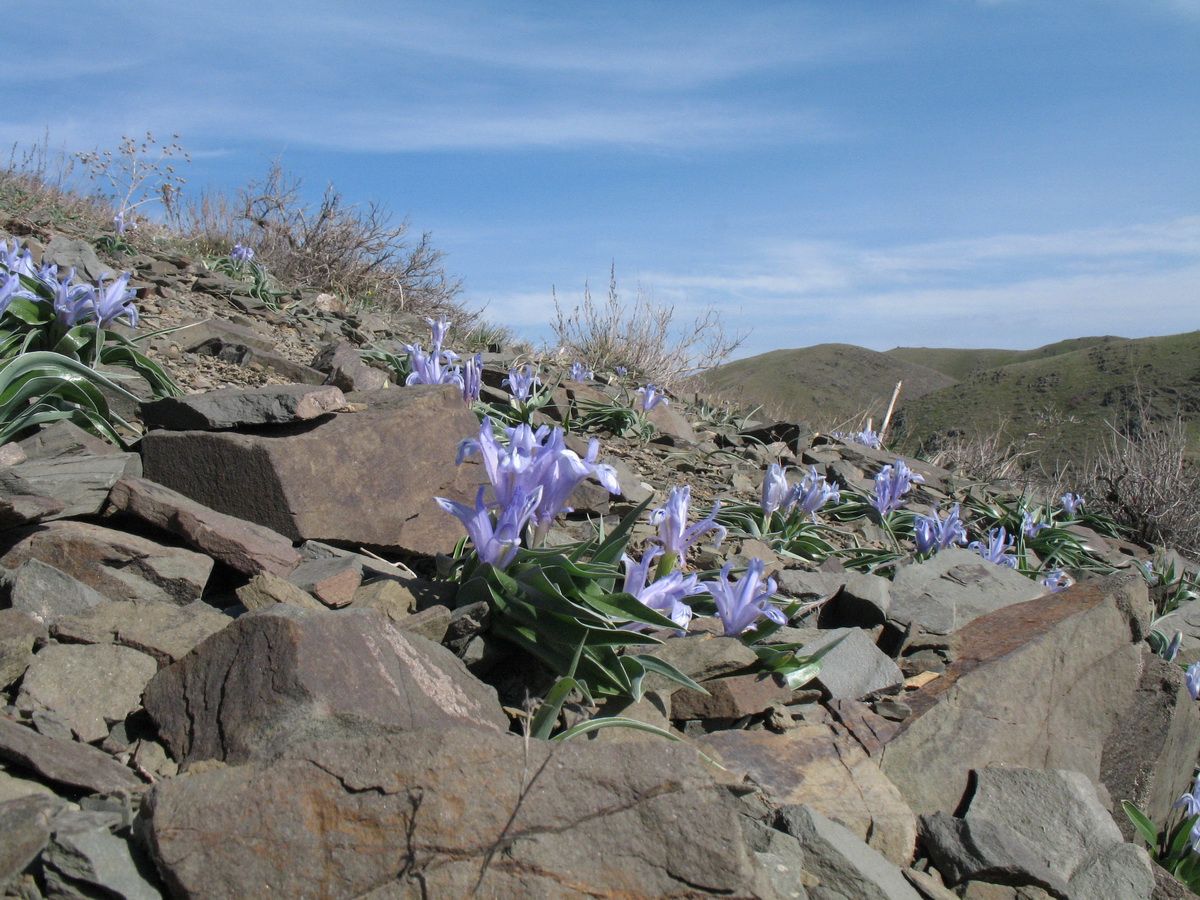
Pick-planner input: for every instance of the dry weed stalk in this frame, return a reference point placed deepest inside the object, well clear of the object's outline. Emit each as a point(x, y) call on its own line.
point(641, 336)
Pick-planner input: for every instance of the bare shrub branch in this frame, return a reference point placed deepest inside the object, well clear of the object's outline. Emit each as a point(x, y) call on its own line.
point(641, 336)
point(352, 249)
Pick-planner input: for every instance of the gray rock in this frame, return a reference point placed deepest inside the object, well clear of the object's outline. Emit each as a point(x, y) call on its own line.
point(855, 667)
point(1184, 618)
point(507, 818)
point(956, 586)
point(162, 630)
point(19, 631)
point(1149, 757)
point(68, 763)
point(80, 484)
point(1120, 872)
point(25, 508)
point(700, 657)
point(1036, 684)
point(25, 824)
point(237, 407)
point(840, 861)
point(1056, 810)
point(198, 333)
point(363, 477)
point(857, 600)
point(72, 253)
point(89, 685)
point(285, 674)
point(83, 862)
point(978, 849)
point(42, 591)
point(348, 370)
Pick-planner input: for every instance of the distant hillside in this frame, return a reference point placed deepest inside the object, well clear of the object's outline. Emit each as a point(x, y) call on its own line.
point(959, 364)
point(826, 385)
point(1069, 397)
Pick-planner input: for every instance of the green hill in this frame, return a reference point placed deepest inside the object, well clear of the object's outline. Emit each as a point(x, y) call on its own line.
point(960, 364)
point(1071, 398)
point(826, 385)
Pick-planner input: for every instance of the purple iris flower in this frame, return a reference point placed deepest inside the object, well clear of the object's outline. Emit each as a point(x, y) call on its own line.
point(652, 397)
point(581, 372)
point(10, 284)
point(933, 533)
point(17, 260)
point(774, 489)
point(1190, 801)
point(811, 494)
point(241, 254)
point(742, 603)
point(122, 225)
point(1071, 503)
point(1030, 527)
point(114, 301)
point(1056, 580)
point(434, 367)
point(1191, 675)
point(521, 381)
point(664, 595)
point(536, 460)
point(891, 484)
point(73, 302)
point(621, 370)
point(996, 549)
point(674, 535)
point(472, 378)
point(495, 542)
point(1172, 649)
point(438, 331)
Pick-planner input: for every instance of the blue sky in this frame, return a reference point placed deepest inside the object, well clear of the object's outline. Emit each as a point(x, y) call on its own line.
point(917, 173)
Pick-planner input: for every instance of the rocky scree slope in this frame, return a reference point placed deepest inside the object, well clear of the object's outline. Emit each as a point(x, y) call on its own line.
point(211, 691)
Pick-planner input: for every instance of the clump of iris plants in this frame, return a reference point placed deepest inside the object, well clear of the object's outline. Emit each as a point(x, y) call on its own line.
point(56, 330)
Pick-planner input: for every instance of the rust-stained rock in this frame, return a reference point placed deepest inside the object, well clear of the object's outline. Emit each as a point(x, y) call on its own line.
point(812, 764)
point(454, 813)
point(240, 544)
point(730, 698)
point(367, 477)
point(284, 674)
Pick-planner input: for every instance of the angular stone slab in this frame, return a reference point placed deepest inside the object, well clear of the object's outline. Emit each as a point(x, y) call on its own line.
point(1150, 754)
point(247, 547)
point(812, 764)
point(120, 566)
point(79, 484)
point(73, 765)
point(43, 591)
point(19, 631)
point(855, 667)
point(454, 813)
point(162, 630)
point(25, 509)
point(730, 698)
point(284, 674)
point(237, 407)
point(265, 589)
point(1040, 684)
point(367, 477)
point(91, 686)
point(80, 857)
point(953, 588)
point(25, 825)
point(332, 581)
point(841, 863)
point(981, 850)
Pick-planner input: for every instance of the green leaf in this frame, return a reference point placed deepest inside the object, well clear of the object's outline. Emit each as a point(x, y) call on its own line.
point(543, 720)
point(661, 667)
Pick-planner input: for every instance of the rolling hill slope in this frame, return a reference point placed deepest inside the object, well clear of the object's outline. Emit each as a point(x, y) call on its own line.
point(1073, 397)
point(960, 364)
point(825, 385)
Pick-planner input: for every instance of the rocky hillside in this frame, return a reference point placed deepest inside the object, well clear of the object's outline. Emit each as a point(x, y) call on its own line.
point(235, 663)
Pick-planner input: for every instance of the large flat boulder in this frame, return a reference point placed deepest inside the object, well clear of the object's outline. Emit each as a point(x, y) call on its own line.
point(454, 813)
point(364, 477)
point(284, 674)
point(1041, 684)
